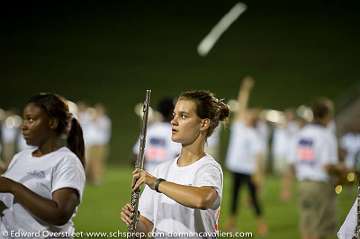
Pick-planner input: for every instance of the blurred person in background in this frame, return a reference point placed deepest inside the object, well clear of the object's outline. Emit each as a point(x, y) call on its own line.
point(314, 158)
point(184, 195)
point(279, 147)
point(9, 133)
point(302, 117)
point(21, 143)
point(159, 146)
point(283, 134)
point(99, 134)
point(245, 158)
point(350, 146)
point(212, 145)
point(42, 187)
point(263, 130)
point(85, 115)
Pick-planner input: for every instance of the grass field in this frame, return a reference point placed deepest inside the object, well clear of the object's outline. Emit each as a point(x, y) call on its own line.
point(100, 208)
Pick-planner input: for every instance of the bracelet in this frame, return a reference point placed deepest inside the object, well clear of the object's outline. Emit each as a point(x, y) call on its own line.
point(157, 183)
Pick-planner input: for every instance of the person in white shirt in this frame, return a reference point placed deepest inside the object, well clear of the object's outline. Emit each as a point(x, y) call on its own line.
point(244, 158)
point(99, 134)
point(284, 133)
point(286, 192)
point(42, 188)
point(314, 157)
point(212, 145)
point(159, 146)
point(263, 131)
point(350, 144)
point(9, 133)
point(183, 196)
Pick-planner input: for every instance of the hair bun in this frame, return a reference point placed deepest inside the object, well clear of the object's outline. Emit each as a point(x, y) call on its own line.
point(224, 110)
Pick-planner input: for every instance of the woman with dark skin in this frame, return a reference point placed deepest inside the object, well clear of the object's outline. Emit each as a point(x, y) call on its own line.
point(43, 186)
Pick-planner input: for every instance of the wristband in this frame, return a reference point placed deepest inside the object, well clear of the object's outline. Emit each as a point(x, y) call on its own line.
point(157, 183)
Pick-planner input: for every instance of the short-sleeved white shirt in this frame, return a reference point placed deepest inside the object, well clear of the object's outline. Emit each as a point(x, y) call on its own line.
point(159, 147)
point(42, 175)
point(280, 143)
point(244, 146)
point(167, 215)
point(101, 130)
point(263, 131)
point(313, 148)
point(89, 131)
point(282, 137)
point(347, 230)
point(332, 127)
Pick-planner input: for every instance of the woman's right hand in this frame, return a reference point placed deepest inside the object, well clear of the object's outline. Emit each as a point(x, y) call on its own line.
point(127, 213)
point(141, 177)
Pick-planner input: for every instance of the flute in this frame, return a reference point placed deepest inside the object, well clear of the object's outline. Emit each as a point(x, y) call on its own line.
point(135, 195)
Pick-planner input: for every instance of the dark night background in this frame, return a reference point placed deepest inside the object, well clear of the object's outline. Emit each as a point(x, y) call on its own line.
point(111, 51)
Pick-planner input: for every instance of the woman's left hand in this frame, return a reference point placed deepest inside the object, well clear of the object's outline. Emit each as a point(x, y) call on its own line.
point(141, 177)
point(6, 185)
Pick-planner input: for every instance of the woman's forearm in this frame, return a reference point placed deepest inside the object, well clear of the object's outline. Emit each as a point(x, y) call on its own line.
point(51, 211)
point(189, 196)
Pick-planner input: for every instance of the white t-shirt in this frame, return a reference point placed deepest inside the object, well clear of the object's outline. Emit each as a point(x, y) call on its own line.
point(313, 148)
point(280, 143)
point(159, 147)
point(245, 144)
point(263, 131)
point(42, 175)
point(101, 128)
point(91, 134)
point(282, 137)
point(332, 127)
point(351, 143)
point(86, 122)
point(347, 230)
point(167, 215)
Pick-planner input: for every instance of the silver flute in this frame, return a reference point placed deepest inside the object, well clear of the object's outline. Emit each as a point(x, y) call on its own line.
point(135, 195)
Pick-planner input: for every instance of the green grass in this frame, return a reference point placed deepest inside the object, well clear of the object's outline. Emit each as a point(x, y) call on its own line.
point(100, 208)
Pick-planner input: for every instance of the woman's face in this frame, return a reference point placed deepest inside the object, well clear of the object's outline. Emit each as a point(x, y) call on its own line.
point(36, 126)
point(186, 124)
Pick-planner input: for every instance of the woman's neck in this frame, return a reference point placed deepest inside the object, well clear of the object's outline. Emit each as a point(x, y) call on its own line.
point(50, 146)
point(192, 152)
